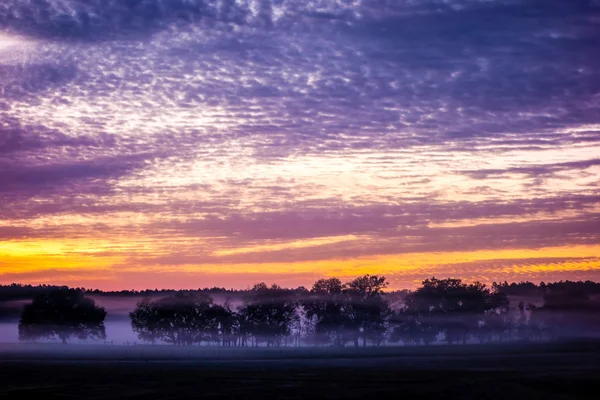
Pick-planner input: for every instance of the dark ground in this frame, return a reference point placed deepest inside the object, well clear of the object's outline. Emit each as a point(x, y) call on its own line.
point(526, 371)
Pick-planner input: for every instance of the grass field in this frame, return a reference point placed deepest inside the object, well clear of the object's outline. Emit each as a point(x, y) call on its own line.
point(516, 371)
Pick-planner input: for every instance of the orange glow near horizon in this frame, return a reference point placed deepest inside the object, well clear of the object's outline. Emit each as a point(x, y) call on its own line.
point(55, 262)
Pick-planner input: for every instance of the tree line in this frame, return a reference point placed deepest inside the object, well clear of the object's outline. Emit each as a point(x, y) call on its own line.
point(332, 313)
point(18, 291)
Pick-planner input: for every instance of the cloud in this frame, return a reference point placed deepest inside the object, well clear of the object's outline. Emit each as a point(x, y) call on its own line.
point(91, 177)
point(535, 170)
point(415, 125)
point(24, 81)
point(14, 232)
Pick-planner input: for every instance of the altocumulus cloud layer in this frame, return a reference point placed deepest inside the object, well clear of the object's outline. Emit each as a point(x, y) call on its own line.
point(189, 141)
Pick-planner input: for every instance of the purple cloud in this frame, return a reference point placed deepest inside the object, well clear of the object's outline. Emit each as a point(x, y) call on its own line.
point(247, 123)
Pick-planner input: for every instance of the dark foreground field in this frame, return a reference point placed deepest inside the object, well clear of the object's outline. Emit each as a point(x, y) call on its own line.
point(525, 371)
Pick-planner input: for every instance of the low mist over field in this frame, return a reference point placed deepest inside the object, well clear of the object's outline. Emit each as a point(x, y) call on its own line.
point(331, 313)
point(118, 325)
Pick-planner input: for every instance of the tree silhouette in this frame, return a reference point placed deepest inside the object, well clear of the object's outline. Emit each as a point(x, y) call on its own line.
point(457, 309)
point(145, 321)
point(181, 319)
point(324, 306)
point(268, 314)
point(227, 324)
point(367, 310)
point(63, 314)
point(410, 329)
point(568, 310)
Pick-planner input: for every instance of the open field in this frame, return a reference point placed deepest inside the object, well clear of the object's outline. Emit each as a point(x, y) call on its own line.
point(532, 371)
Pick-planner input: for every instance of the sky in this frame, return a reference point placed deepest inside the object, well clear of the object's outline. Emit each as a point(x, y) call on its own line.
point(193, 143)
